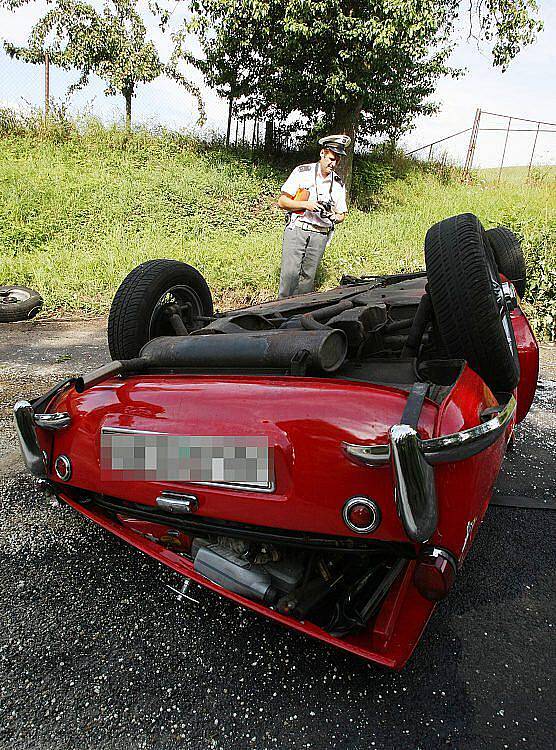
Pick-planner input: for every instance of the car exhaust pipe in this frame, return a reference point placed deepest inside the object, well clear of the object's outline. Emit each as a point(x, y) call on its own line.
point(327, 349)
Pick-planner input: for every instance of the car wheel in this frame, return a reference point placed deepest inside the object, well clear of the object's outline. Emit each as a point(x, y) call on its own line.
point(469, 302)
point(139, 310)
point(18, 303)
point(509, 256)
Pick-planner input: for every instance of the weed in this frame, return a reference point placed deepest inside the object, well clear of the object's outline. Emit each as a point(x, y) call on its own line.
point(81, 206)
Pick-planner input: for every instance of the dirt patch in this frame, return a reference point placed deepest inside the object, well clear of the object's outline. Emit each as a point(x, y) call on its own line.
point(53, 347)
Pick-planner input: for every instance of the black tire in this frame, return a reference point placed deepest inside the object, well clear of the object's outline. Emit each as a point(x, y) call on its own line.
point(468, 301)
point(509, 256)
point(18, 303)
point(133, 318)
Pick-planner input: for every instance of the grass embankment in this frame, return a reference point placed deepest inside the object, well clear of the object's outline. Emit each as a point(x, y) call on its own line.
point(76, 215)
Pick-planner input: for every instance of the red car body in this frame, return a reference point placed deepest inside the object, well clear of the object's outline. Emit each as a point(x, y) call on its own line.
point(308, 421)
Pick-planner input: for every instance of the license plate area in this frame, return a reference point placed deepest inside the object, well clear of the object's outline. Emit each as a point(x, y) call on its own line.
point(239, 462)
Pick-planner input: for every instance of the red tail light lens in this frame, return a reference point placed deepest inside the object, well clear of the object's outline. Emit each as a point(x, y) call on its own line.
point(434, 574)
point(361, 514)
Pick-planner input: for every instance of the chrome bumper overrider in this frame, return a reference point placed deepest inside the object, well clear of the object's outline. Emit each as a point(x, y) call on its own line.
point(412, 460)
point(25, 420)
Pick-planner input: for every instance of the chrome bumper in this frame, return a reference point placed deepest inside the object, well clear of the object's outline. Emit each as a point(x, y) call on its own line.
point(412, 460)
point(454, 447)
point(25, 421)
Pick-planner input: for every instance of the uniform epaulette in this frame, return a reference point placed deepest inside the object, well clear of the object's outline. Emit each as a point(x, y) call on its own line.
point(304, 168)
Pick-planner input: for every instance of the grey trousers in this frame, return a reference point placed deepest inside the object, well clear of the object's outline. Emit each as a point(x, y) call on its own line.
point(301, 254)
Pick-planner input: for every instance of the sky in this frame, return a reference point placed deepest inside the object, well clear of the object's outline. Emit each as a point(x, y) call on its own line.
point(527, 89)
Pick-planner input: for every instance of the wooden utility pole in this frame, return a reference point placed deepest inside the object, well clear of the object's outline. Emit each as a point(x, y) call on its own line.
point(231, 101)
point(46, 86)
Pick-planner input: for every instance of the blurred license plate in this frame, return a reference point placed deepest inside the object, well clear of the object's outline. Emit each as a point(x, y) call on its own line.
point(231, 460)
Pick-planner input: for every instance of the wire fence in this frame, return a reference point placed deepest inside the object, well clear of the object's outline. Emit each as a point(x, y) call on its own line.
point(540, 127)
point(530, 141)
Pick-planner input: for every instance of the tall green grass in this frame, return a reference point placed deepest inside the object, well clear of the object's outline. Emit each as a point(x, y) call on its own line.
point(79, 210)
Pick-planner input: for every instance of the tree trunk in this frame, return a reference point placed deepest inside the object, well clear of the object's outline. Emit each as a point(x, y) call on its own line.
point(128, 95)
point(346, 119)
point(269, 137)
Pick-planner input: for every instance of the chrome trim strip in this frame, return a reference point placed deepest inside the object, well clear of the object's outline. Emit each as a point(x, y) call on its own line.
point(55, 421)
point(414, 488)
point(270, 487)
point(25, 428)
point(130, 431)
point(455, 447)
point(372, 455)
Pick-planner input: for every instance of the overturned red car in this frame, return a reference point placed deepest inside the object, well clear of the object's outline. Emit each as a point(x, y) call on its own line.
point(326, 459)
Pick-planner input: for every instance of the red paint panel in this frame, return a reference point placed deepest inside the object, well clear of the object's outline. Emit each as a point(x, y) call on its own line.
point(464, 487)
point(528, 350)
point(305, 420)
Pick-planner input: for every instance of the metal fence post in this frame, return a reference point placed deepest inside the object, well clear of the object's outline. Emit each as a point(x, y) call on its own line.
point(472, 145)
point(533, 150)
point(253, 136)
point(504, 151)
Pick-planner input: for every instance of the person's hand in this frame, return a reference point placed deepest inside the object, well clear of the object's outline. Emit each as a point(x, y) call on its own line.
point(311, 205)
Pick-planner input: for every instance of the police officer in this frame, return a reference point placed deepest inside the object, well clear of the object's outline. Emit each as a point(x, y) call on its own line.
point(315, 200)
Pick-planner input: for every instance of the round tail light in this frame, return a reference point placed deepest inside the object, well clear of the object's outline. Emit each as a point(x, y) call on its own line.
point(62, 467)
point(435, 573)
point(361, 514)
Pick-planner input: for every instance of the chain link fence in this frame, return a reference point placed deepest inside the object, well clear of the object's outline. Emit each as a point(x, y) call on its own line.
point(507, 139)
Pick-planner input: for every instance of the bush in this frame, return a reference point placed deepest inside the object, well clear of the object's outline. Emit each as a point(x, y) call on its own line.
point(30, 122)
point(539, 248)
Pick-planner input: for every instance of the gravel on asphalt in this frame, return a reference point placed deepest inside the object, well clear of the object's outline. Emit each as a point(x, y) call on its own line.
point(96, 652)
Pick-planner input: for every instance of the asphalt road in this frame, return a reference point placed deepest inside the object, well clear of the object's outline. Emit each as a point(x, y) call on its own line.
point(95, 652)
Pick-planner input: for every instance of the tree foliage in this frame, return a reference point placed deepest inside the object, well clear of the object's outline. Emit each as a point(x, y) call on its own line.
point(111, 43)
point(363, 67)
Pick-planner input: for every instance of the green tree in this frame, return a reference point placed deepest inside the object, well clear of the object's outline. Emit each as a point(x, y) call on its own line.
point(361, 67)
point(111, 44)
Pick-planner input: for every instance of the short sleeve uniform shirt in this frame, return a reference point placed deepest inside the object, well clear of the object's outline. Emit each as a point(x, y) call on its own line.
point(331, 188)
